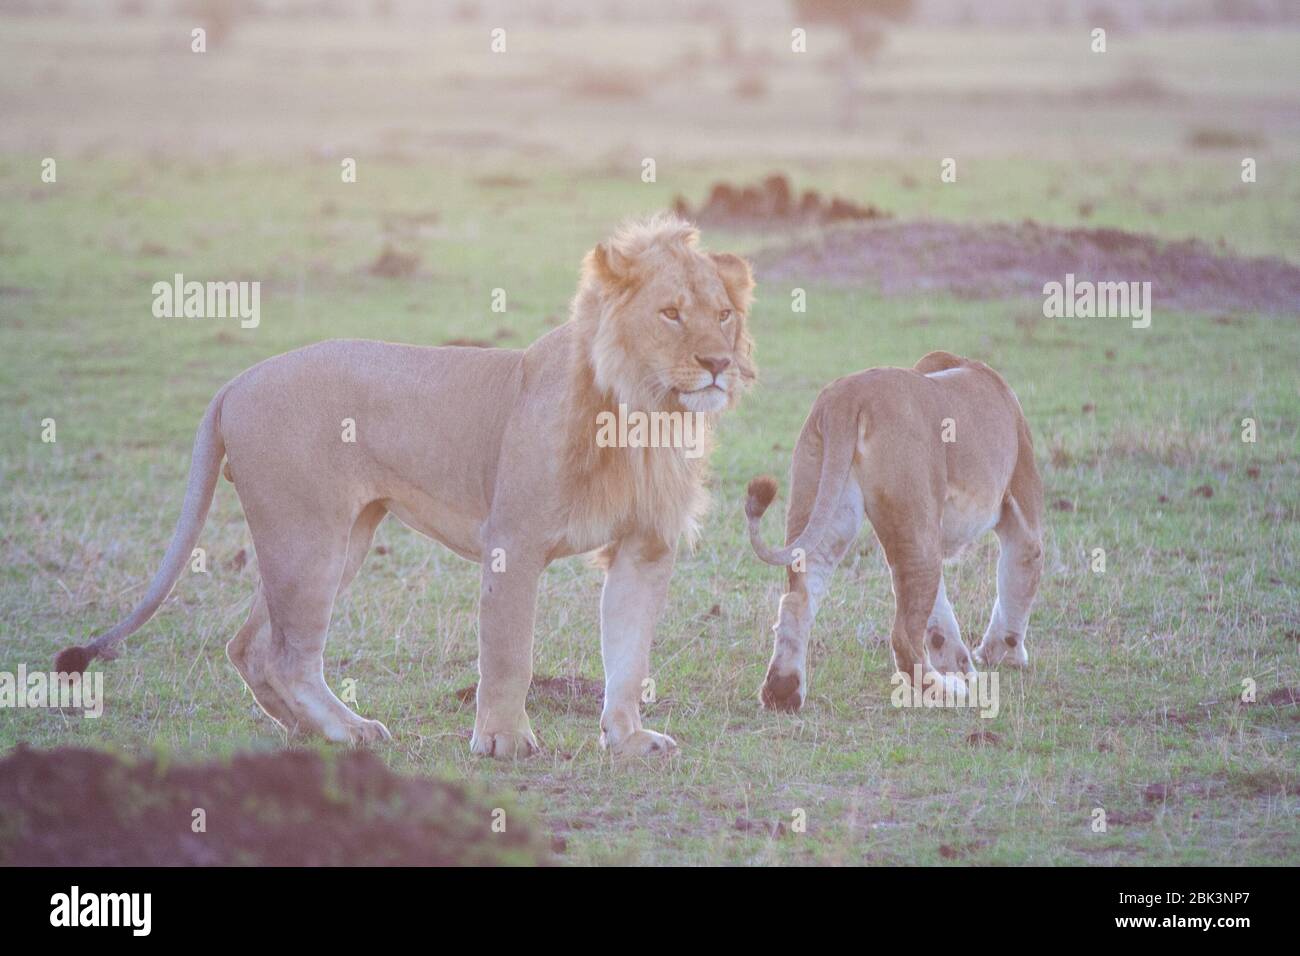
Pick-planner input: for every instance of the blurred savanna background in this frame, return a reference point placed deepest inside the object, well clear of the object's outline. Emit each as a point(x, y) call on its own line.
point(494, 143)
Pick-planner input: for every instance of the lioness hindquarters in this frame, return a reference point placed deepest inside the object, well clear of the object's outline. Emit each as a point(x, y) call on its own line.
point(863, 450)
point(935, 456)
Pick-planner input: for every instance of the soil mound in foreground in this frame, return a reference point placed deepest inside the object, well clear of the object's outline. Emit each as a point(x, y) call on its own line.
point(74, 807)
point(1003, 260)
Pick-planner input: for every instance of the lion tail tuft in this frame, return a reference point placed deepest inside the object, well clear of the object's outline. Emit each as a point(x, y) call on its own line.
point(74, 660)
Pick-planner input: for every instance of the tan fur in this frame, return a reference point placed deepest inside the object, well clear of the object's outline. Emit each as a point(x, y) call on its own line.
point(873, 444)
point(493, 453)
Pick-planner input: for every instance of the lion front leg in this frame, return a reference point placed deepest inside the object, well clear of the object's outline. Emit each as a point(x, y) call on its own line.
point(507, 605)
point(636, 586)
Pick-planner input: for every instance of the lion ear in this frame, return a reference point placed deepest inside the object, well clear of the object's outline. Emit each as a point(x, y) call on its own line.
point(608, 266)
point(737, 277)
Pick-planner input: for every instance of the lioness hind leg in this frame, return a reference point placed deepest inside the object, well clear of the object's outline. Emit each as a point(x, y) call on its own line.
point(785, 687)
point(1020, 562)
point(916, 571)
point(1020, 565)
point(943, 635)
point(905, 504)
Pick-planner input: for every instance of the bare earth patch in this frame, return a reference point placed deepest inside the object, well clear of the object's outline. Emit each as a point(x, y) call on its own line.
point(392, 264)
point(1003, 260)
point(566, 693)
point(771, 204)
point(73, 807)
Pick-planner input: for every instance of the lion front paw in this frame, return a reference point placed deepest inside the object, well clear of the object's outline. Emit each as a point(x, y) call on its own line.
point(639, 743)
point(505, 744)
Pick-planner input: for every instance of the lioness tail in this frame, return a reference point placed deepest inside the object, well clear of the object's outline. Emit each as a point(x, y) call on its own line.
point(839, 434)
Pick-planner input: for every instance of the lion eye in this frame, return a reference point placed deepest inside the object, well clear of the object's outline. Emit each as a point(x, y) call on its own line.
point(725, 315)
point(671, 315)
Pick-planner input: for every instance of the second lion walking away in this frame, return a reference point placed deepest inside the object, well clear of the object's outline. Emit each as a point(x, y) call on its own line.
point(934, 456)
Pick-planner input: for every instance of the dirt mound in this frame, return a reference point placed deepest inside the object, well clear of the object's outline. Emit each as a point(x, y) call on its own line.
point(772, 204)
point(392, 264)
point(73, 807)
point(568, 694)
point(1003, 260)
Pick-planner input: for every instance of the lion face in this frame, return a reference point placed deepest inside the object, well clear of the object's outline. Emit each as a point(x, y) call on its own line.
point(672, 327)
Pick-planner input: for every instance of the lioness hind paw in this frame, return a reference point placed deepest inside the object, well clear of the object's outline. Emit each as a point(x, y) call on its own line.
point(950, 688)
point(784, 692)
point(1009, 652)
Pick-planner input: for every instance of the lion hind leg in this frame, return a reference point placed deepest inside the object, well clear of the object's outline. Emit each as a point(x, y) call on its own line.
point(302, 573)
point(359, 541)
point(252, 650)
point(248, 651)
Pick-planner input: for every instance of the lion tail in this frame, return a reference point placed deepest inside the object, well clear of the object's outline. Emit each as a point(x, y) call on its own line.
point(839, 444)
point(205, 465)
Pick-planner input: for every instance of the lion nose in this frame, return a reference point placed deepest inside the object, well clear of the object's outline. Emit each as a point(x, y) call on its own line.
point(717, 364)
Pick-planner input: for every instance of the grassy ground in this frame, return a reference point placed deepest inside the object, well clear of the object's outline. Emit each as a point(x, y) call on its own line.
point(1135, 672)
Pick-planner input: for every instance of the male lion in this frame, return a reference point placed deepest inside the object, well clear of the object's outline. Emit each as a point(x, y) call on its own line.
point(938, 454)
point(492, 452)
